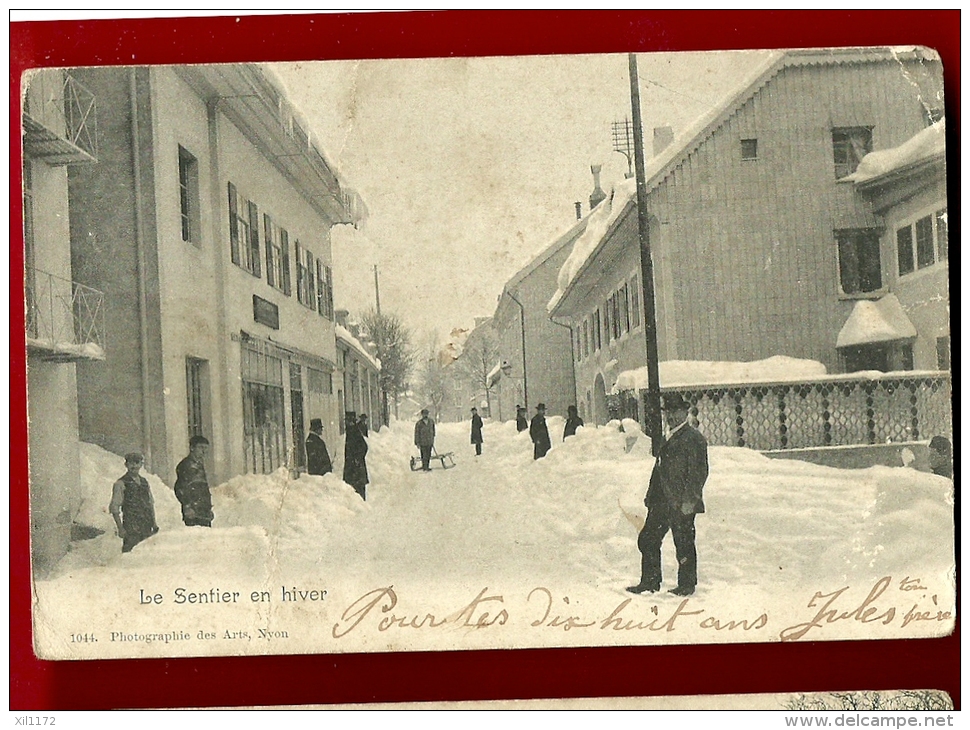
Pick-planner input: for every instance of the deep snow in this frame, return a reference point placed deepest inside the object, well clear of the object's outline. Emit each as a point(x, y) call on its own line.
point(775, 532)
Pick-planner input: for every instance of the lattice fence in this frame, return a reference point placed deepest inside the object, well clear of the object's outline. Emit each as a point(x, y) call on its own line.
point(840, 411)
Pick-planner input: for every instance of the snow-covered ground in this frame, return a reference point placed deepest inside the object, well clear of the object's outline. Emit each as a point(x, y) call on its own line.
point(532, 540)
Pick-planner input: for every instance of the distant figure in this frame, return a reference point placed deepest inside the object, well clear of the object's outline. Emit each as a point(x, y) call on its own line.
point(364, 424)
point(132, 505)
point(539, 433)
point(477, 432)
point(424, 438)
point(674, 497)
point(192, 487)
point(521, 419)
point(317, 457)
point(941, 456)
point(355, 453)
point(573, 421)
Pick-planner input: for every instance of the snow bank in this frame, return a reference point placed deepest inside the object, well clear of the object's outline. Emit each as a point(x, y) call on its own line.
point(677, 373)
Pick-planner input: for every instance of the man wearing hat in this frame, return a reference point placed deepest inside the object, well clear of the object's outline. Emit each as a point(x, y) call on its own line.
point(355, 455)
point(132, 505)
point(424, 438)
point(317, 456)
point(674, 496)
point(477, 439)
point(539, 433)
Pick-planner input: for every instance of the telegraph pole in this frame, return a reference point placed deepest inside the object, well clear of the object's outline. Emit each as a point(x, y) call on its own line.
point(652, 417)
point(377, 290)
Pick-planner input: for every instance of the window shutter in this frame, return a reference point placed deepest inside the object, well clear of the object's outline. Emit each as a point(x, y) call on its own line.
point(234, 224)
point(329, 273)
point(320, 296)
point(268, 243)
point(254, 238)
point(285, 244)
point(311, 289)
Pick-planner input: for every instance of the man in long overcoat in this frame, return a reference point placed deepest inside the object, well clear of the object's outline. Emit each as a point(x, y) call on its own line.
point(424, 438)
point(521, 419)
point(355, 453)
point(477, 432)
point(539, 433)
point(317, 457)
point(674, 496)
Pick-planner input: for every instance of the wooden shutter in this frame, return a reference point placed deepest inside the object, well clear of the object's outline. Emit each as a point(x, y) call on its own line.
point(285, 245)
point(254, 238)
point(329, 273)
point(311, 289)
point(320, 295)
point(268, 243)
point(234, 225)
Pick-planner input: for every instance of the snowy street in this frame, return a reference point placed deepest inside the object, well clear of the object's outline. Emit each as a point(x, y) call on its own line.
point(540, 538)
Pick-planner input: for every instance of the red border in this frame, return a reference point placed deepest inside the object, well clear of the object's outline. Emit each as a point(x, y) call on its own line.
point(36, 685)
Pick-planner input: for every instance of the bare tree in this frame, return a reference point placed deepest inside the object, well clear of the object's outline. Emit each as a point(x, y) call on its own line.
point(394, 348)
point(433, 374)
point(478, 359)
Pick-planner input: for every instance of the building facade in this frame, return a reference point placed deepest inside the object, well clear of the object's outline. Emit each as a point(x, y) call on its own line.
point(209, 221)
point(534, 349)
point(360, 373)
point(761, 243)
point(64, 319)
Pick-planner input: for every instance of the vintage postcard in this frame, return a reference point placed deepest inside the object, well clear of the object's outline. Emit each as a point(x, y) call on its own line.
point(478, 353)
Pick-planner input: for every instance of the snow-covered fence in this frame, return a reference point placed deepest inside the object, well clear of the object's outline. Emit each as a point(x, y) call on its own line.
point(840, 410)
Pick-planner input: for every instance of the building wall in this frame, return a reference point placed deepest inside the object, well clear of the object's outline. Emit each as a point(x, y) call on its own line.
point(923, 293)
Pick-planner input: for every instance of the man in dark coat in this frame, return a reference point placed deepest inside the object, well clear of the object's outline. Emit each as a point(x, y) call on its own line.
point(424, 438)
point(521, 420)
point(477, 432)
point(941, 456)
point(573, 421)
point(192, 486)
point(355, 451)
point(539, 433)
point(364, 424)
point(132, 505)
point(674, 496)
point(317, 456)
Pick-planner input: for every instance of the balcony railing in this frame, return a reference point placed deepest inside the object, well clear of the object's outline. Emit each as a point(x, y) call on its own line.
point(845, 410)
point(65, 320)
point(60, 120)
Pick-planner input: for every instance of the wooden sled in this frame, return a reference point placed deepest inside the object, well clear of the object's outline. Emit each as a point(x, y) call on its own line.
point(447, 460)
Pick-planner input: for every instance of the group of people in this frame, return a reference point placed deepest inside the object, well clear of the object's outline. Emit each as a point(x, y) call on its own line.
point(318, 460)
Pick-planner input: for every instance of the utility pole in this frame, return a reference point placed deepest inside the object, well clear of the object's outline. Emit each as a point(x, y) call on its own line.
point(652, 417)
point(377, 290)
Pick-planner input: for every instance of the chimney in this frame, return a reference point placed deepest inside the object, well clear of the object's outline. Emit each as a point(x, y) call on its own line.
point(597, 196)
point(579, 210)
point(342, 315)
point(662, 137)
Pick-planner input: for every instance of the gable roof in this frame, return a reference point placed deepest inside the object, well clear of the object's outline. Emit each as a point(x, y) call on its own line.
point(687, 142)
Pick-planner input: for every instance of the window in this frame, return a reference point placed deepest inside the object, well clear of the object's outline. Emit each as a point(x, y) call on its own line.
point(624, 296)
point(849, 146)
point(943, 352)
point(607, 331)
point(277, 255)
point(635, 302)
point(324, 290)
point(749, 149)
point(264, 435)
point(296, 414)
point(585, 338)
point(195, 378)
point(189, 196)
point(860, 268)
point(306, 290)
point(615, 315)
point(244, 233)
point(597, 331)
point(923, 243)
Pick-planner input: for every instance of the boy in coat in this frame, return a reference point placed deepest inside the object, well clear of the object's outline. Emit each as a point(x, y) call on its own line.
point(192, 486)
point(424, 438)
point(132, 504)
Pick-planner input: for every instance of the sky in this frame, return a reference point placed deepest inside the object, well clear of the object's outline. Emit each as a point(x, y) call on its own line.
point(469, 167)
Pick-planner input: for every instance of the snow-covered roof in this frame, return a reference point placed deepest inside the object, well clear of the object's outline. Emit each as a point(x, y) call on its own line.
point(926, 145)
point(679, 373)
point(880, 321)
point(344, 334)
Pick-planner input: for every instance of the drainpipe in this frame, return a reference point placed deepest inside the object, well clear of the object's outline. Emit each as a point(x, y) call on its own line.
point(525, 379)
point(136, 147)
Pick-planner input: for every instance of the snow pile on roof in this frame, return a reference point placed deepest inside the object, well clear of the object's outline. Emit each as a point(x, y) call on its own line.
point(922, 146)
point(88, 350)
point(344, 334)
point(678, 373)
point(598, 223)
point(880, 321)
point(494, 375)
